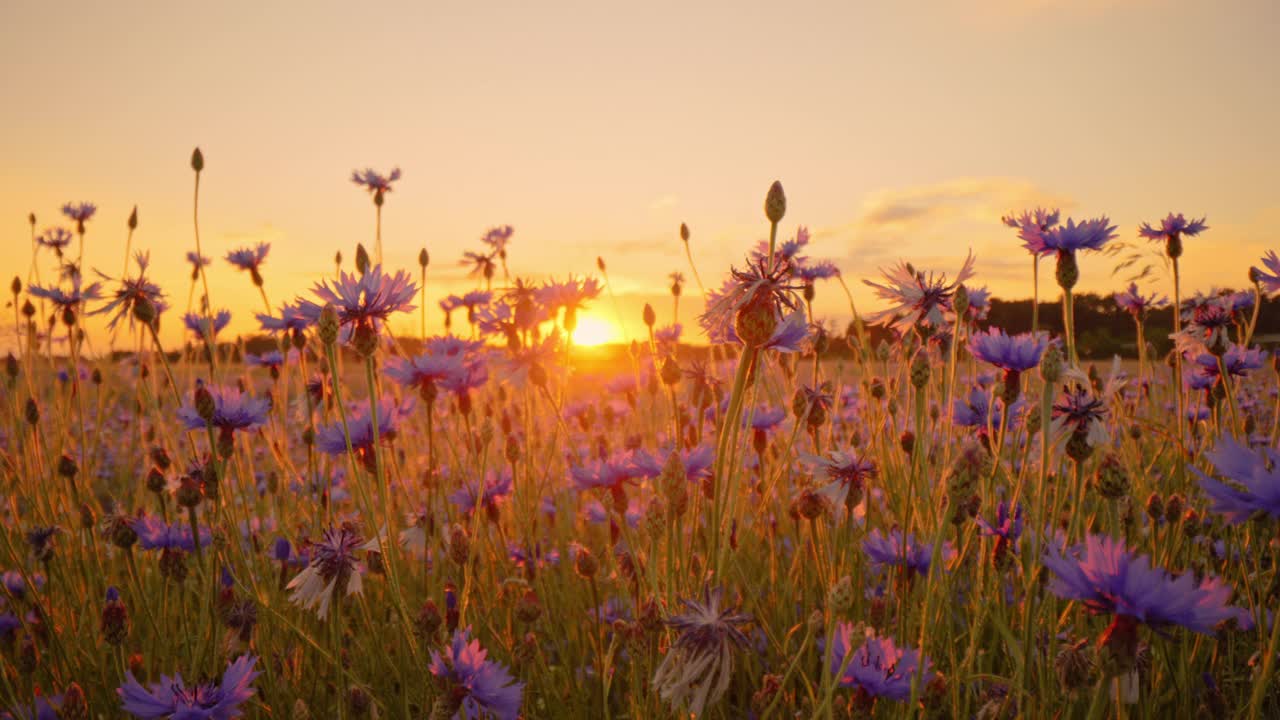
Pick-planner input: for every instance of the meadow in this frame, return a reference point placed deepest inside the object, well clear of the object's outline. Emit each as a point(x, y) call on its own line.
point(748, 514)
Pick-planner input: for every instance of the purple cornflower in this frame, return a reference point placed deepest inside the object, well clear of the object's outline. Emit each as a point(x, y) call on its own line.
point(667, 338)
point(171, 699)
point(250, 259)
point(134, 295)
point(498, 237)
point(426, 372)
point(1011, 353)
point(1108, 579)
point(751, 298)
point(272, 360)
point(67, 300)
point(767, 418)
point(1237, 360)
point(790, 334)
point(375, 182)
point(233, 410)
point(975, 410)
point(55, 238)
point(1071, 237)
point(332, 570)
point(331, 439)
point(479, 687)
point(910, 555)
point(1137, 304)
point(1255, 478)
point(1210, 321)
point(810, 272)
point(1173, 227)
point(80, 212)
point(291, 319)
point(699, 665)
point(1082, 413)
point(200, 325)
point(878, 668)
point(1005, 529)
point(846, 473)
point(1270, 281)
point(918, 299)
point(496, 489)
point(481, 264)
point(363, 300)
point(154, 534)
point(197, 262)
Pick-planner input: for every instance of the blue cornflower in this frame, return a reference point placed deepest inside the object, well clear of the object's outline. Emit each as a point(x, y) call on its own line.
point(1108, 579)
point(363, 299)
point(1011, 353)
point(878, 668)
point(1255, 478)
point(667, 338)
point(1238, 361)
point(427, 372)
point(291, 319)
point(200, 325)
point(478, 686)
point(498, 237)
point(249, 258)
point(1071, 237)
point(812, 271)
point(233, 410)
point(134, 295)
point(171, 699)
point(1173, 227)
point(1137, 304)
point(790, 334)
point(67, 300)
point(918, 299)
point(1006, 529)
point(375, 182)
point(332, 570)
point(767, 418)
point(272, 359)
point(699, 665)
point(80, 212)
point(55, 238)
point(1270, 281)
point(154, 534)
point(496, 489)
point(891, 549)
point(751, 299)
point(846, 473)
point(331, 439)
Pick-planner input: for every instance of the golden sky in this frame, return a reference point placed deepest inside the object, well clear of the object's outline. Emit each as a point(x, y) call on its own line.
point(900, 129)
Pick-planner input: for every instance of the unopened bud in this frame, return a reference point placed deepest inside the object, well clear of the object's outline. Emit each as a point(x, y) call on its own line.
point(775, 203)
point(197, 160)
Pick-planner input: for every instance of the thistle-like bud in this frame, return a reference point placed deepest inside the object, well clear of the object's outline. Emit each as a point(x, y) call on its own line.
point(75, 706)
point(423, 258)
point(1173, 246)
point(585, 563)
point(840, 597)
point(115, 619)
point(133, 218)
point(1111, 479)
point(650, 317)
point(1155, 506)
point(337, 258)
point(327, 326)
point(365, 340)
point(528, 609)
point(358, 700)
point(206, 408)
point(144, 311)
point(670, 372)
point(459, 544)
point(190, 491)
point(428, 622)
point(684, 232)
point(600, 263)
point(1068, 271)
point(1173, 506)
point(11, 366)
point(960, 301)
point(362, 259)
point(16, 285)
point(197, 160)
point(756, 320)
point(155, 480)
point(1051, 365)
point(31, 218)
point(67, 467)
point(775, 203)
point(919, 371)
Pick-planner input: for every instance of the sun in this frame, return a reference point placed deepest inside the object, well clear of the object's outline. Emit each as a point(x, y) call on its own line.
point(594, 331)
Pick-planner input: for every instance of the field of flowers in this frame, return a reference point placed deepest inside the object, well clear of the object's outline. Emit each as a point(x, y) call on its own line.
point(791, 522)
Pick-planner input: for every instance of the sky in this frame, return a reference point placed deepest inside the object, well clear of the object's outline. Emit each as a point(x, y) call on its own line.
point(899, 130)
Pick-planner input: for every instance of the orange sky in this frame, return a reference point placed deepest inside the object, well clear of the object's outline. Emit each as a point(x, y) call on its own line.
point(898, 129)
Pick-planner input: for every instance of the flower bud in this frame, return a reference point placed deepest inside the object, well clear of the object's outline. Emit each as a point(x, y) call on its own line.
point(423, 258)
point(133, 218)
point(920, 371)
point(327, 326)
point(115, 619)
point(841, 596)
point(684, 232)
point(775, 203)
point(1051, 364)
point(585, 563)
point(197, 160)
point(362, 259)
point(650, 317)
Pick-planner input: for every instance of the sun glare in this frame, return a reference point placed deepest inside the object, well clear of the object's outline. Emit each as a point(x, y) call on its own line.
point(594, 331)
